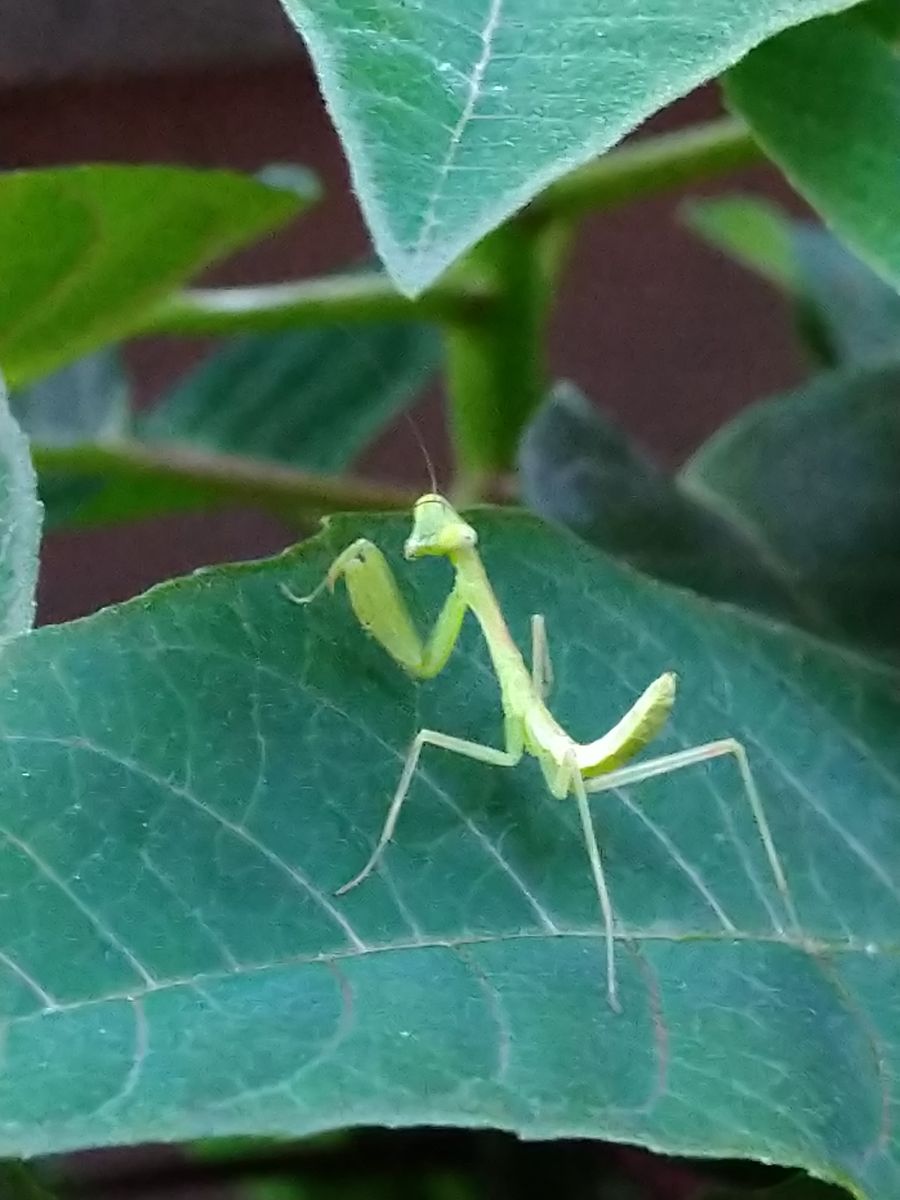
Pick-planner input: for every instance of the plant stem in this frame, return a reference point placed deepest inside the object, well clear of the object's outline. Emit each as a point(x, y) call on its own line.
point(19, 1182)
point(648, 166)
point(360, 298)
point(496, 374)
point(217, 476)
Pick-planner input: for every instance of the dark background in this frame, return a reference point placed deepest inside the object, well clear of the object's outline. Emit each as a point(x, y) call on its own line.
point(657, 328)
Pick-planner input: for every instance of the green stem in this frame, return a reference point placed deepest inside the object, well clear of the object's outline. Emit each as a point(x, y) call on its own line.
point(496, 373)
point(19, 1182)
point(270, 485)
point(648, 166)
point(495, 366)
point(282, 306)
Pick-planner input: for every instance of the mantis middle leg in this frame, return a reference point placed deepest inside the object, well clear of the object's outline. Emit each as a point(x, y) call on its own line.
point(431, 737)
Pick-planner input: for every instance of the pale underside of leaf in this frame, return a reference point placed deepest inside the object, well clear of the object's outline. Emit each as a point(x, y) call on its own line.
point(454, 116)
point(20, 527)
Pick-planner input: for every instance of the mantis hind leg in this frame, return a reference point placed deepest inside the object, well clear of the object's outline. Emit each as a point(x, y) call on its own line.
point(668, 763)
point(431, 737)
point(569, 778)
point(541, 664)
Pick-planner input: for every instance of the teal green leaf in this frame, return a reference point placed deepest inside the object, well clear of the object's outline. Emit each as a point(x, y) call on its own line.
point(453, 117)
point(576, 467)
point(811, 477)
point(853, 313)
point(88, 251)
point(20, 527)
point(824, 101)
point(188, 778)
point(311, 399)
point(88, 401)
point(791, 508)
point(845, 311)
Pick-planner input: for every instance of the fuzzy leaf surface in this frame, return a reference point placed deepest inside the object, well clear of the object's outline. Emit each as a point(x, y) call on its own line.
point(455, 115)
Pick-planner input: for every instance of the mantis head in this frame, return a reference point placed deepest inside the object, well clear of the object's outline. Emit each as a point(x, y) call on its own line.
point(437, 528)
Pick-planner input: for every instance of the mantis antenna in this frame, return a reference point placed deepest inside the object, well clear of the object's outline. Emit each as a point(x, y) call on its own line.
point(432, 479)
point(570, 768)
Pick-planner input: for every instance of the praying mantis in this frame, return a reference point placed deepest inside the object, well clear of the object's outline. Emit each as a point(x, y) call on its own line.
point(569, 767)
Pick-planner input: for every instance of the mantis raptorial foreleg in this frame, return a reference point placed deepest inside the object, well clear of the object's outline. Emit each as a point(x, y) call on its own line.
point(381, 610)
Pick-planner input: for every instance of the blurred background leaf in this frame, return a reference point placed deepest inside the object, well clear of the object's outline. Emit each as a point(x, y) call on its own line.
point(793, 507)
point(845, 312)
point(89, 250)
point(581, 470)
point(313, 399)
point(824, 102)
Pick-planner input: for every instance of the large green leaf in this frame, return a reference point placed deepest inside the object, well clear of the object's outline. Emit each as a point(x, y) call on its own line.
point(455, 115)
point(845, 311)
point(187, 779)
point(312, 399)
point(824, 101)
point(88, 251)
point(812, 477)
point(20, 527)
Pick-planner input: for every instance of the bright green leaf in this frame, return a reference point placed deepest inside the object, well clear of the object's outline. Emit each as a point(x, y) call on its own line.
point(455, 115)
point(578, 468)
point(812, 478)
point(312, 399)
point(883, 15)
point(753, 231)
point(824, 101)
point(20, 527)
point(188, 778)
point(845, 311)
point(88, 251)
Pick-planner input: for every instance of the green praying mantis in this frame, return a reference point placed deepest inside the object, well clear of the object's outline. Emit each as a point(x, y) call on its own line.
point(569, 767)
